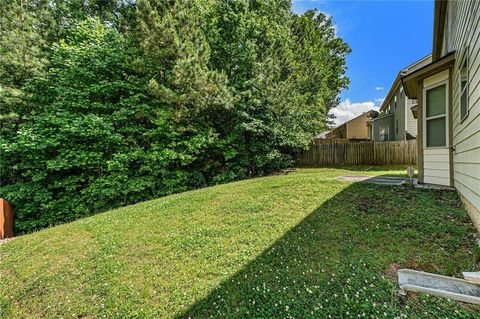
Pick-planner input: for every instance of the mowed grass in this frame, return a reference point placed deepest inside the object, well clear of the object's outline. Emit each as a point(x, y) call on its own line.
point(299, 245)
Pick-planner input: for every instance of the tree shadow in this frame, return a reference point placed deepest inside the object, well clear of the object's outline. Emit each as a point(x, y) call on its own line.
point(338, 262)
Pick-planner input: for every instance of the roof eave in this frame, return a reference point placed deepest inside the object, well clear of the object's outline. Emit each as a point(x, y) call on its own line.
point(410, 81)
point(356, 117)
point(398, 81)
point(391, 92)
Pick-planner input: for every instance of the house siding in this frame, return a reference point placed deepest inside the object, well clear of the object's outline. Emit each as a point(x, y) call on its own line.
point(411, 122)
point(462, 34)
point(404, 124)
point(399, 115)
point(380, 122)
point(357, 128)
point(340, 132)
point(411, 126)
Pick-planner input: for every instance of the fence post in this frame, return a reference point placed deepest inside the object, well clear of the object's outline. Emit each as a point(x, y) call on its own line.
point(6, 219)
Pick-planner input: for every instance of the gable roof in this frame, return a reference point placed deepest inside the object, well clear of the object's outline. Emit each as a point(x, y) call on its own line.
point(356, 117)
point(397, 82)
point(410, 82)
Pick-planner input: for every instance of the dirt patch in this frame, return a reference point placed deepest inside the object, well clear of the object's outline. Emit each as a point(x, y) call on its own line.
point(410, 296)
point(6, 240)
point(412, 264)
point(371, 205)
point(392, 271)
point(284, 171)
point(442, 197)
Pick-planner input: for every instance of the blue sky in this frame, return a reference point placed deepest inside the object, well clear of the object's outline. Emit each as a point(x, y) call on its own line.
point(385, 36)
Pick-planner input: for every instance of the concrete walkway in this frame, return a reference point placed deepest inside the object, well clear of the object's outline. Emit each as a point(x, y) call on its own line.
point(390, 180)
point(383, 180)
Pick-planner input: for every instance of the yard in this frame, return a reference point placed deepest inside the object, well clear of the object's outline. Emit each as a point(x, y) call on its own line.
point(296, 245)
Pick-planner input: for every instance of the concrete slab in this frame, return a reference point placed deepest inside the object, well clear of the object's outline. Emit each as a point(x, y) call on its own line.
point(391, 180)
point(433, 186)
point(437, 285)
point(383, 180)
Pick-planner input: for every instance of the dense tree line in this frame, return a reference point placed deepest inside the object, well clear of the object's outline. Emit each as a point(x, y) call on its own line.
point(107, 102)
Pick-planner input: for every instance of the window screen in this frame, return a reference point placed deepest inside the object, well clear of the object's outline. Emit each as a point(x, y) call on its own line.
point(436, 135)
point(436, 100)
point(436, 119)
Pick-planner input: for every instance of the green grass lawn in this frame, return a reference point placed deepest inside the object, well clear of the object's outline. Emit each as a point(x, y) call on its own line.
point(299, 245)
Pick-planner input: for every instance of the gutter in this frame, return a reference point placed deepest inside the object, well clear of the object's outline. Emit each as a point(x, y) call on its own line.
point(382, 117)
point(440, 13)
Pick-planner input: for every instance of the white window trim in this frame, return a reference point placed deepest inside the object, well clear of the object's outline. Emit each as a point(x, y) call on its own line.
point(424, 115)
point(464, 59)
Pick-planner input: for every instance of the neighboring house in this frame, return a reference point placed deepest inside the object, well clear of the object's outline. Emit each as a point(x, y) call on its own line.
point(356, 128)
point(322, 134)
point(448, 93)
point(395, 121)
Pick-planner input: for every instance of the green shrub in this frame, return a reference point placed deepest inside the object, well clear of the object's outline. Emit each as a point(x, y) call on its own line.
point(158, 98)
point(95, 140)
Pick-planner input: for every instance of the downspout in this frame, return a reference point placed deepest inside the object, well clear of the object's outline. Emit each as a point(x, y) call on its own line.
point(406, 114)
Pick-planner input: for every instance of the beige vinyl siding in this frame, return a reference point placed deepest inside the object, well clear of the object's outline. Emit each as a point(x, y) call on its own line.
point(436, 166)
point(411, 122)
point(399, 116)
point(462, 32)
point(357, 128)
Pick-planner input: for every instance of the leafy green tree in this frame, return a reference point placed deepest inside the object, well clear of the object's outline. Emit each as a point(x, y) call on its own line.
point(106, 103)
point(286, 71)
point(176, 58)
point(22, 54)
point(98, 141)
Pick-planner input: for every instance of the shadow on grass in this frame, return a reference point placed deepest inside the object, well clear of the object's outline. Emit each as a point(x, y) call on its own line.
point(340, 261)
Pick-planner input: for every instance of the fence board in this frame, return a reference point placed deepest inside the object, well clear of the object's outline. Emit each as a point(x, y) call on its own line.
point(370, 153)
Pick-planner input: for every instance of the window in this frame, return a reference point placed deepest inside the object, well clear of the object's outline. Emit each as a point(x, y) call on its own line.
point(395, 101)
point(401, 92)
point(436, 116)
point(396, 127)
point(464, 88)
point(384, 130)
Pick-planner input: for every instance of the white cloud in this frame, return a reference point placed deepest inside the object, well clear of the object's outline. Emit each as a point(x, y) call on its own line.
point(347, 110)
point(378, 88)
point(379, 101)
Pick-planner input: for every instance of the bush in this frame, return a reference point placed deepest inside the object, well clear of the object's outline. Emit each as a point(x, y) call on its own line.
point(95, 141)
point(160, 97)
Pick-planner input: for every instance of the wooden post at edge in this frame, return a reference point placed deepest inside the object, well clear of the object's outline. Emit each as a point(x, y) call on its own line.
point(6, 219)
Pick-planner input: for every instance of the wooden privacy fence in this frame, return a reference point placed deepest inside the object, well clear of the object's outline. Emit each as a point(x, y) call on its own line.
point(371, 153)
point(338, 140)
